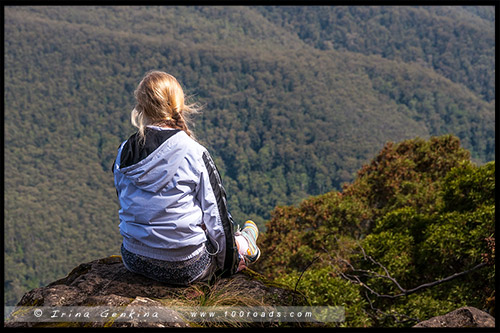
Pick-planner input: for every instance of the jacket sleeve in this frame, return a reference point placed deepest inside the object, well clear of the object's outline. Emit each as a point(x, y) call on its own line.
point(216, 217)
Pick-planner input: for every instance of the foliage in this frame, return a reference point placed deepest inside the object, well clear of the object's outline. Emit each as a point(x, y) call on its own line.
point(285, 117)
point(404, 175)
point(321, 287)
point(418, 235)
point(404, 33)
point(467, 188)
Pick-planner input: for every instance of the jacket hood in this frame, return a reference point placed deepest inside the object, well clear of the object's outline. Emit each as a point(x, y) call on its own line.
point(154, 164)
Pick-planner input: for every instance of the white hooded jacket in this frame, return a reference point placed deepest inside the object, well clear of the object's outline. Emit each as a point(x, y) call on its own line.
point(172, 199)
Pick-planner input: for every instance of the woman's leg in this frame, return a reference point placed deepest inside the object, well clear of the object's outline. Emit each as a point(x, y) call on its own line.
point(246, 241)
point(171, 272)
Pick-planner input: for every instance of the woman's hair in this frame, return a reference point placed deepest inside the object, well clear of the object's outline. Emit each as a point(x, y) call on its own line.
point(161, 101)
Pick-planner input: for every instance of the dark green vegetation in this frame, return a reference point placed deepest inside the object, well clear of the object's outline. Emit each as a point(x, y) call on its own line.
point(419, 213)
point(296, 101)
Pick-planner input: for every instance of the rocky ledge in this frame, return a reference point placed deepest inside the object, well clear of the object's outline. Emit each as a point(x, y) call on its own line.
point(106, 282)
point(465, 317)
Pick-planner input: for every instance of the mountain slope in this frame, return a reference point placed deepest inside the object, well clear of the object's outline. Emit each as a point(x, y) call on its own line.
point(456, 41)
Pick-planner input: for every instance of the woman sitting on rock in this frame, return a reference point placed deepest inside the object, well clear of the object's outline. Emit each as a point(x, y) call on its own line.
point(174, 219)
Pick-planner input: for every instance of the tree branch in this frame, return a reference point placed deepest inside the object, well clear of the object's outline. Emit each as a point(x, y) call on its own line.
point(395, 316)
point(355, 278)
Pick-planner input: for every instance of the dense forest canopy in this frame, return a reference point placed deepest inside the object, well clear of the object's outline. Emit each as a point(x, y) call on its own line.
point(412, 237)
point(296, 100)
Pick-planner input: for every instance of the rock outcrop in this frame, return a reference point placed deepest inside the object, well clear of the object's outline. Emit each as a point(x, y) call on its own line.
point(106, 282)
point(465, 317)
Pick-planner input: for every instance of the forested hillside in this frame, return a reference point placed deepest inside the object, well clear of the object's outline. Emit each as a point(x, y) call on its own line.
point(445, 39)
point(296, 100)
point(412, 237)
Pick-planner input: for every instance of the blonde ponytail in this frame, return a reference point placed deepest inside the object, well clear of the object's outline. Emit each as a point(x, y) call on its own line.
point(161, 101)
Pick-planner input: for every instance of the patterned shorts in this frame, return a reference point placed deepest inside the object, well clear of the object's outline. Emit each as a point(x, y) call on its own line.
point(199, 268)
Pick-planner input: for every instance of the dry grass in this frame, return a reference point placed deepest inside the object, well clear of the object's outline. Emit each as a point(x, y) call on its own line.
point(220, 293)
